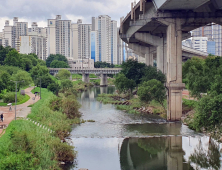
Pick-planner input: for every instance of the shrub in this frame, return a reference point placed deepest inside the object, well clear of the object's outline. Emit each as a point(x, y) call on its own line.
point(208, 113)
point(9, 97)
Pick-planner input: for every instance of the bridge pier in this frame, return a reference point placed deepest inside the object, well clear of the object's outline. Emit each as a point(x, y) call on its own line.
point(103, 80)
point(174, 70)
point(162, 58)
point(85, 78)
point(148, 57)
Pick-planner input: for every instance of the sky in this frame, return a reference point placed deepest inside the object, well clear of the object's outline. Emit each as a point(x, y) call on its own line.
point(41, 10)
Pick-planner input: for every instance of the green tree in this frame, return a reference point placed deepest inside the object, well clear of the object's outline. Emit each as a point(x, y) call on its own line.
point(55, 57)
point(22, 76)
point(66, 84)
point(39, 71)
point(54, 87)
point(46, 80)
point(153, 73)
point(152, 90)
point(123, 84)
point(12, 58)
point(58, 64)
point(3, 52)
point(26, 64)
point(63, 74)
point(133, 70)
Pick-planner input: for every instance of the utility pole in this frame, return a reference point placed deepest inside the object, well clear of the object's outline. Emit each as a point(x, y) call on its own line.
point(16, 94)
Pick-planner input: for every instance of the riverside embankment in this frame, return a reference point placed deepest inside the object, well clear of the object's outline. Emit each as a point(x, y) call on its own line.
point(38, 145)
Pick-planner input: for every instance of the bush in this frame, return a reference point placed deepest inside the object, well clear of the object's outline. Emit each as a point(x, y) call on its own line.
point(9, 97)
point(208, 113)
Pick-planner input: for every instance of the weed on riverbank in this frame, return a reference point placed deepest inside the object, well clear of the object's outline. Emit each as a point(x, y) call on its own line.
point(132, 106)
point(26, 144)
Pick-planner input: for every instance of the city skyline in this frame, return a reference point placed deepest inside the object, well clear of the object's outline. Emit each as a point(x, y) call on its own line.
point(40, 11)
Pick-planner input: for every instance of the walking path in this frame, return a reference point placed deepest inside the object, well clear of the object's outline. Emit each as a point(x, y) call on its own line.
point(21, 110)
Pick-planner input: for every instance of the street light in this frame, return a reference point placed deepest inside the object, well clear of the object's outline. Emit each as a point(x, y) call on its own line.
point(16, 93)
point(40, 86)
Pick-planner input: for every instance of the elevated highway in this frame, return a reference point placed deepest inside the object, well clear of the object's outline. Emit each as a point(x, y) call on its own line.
point(159, 26)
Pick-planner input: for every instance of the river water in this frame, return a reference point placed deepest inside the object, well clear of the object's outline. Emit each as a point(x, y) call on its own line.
point(122, 141)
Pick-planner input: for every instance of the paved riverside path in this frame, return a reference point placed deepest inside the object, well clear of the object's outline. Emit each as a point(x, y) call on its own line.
point(21, 110)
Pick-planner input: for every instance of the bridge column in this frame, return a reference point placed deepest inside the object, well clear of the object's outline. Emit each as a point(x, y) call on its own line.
point(103, 80)
point(85, 78)
point(174, 70)
point(162, 58)
point(148, 57)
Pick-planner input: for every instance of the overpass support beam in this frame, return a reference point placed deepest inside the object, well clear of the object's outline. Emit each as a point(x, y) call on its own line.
point(148, 57)
point(85, 78)
point(174, 69)
point(162, 58)
point(103, 80)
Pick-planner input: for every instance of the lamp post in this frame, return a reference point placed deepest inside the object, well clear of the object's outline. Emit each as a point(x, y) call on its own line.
point(16, 93)
point(40, 86)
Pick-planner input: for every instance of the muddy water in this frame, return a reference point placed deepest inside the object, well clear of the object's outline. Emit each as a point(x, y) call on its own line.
point(122, 141)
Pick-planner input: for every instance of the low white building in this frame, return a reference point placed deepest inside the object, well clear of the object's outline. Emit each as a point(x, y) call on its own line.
point(199, 43)
point(81, 64)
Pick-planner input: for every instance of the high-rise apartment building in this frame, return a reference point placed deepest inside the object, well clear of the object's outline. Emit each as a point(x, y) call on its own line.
point(59, 37)
point(114, 59)
point(84, 46)
point(213, 33)
point(106, 31)
point(35, 42)
point(12, 33)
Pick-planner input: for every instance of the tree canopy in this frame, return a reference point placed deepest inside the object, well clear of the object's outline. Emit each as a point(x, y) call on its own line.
point(63, 74)
point(57, 57)
point(58, 64)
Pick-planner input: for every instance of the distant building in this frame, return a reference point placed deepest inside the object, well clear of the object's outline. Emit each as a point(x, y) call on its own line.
point(12, 33)
point(105, 33)
point(1, 37)
point(35, 42)
point(199, 43)
point(213, 33)
point(82, 64)
point(211, 47)
point(59, 37)
point(84, 46)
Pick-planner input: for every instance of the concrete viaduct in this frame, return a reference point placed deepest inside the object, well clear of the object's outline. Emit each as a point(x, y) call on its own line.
point(85, 73)
point(160, 26)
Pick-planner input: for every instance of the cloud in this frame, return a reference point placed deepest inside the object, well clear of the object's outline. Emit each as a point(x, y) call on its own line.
point(41, 10)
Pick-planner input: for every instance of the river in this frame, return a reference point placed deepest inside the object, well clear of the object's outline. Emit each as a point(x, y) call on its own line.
point(122, 141)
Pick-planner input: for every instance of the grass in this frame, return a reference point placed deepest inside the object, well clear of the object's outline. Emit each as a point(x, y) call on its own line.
point(76, 76)
point(110, 81)
point(25, 145)
point(95, 82)
point(92, 76)
point(25, 99)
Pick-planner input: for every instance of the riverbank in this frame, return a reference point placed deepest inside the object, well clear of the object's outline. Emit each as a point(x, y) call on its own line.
point(134, 105)
point(27, 144)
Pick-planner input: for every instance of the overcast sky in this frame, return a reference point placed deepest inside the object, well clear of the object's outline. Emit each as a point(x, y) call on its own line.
point(41, 10)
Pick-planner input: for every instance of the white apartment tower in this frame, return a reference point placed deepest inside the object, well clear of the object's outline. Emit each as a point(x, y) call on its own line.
point(104, 31)
point(114, 59)
point(59, 37)
point(11, 34)
point(35, 42)
point(84, 46)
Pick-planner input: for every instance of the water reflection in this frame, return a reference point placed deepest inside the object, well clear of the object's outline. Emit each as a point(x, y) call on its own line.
point(122, 141)
point(164, 153)
point(206, 158)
